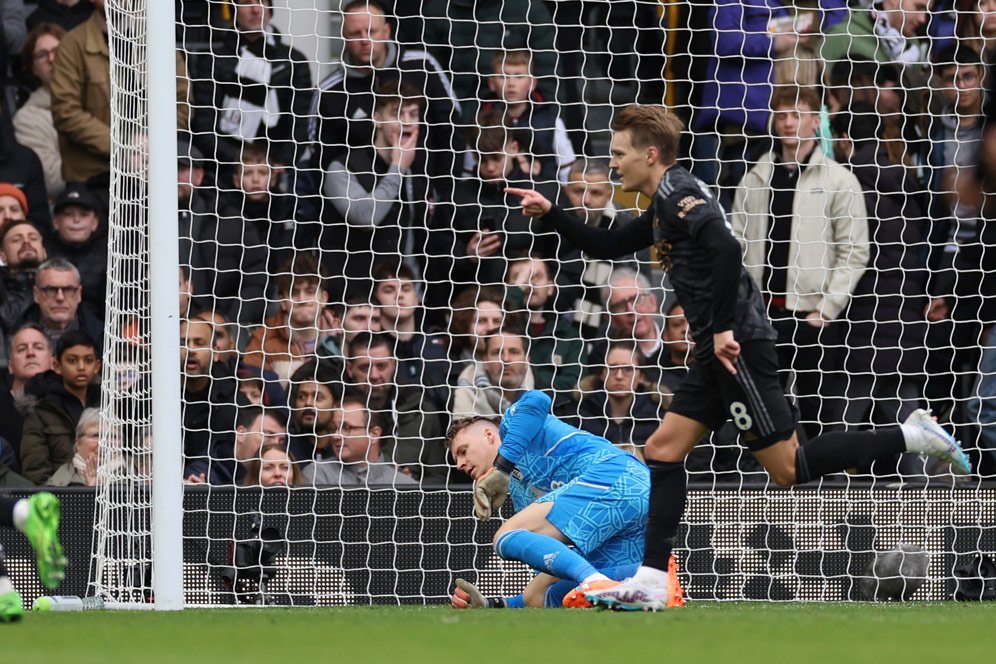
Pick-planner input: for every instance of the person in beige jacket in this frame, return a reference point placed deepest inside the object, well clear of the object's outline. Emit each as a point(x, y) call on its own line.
point(81, 98)
point(801, 219)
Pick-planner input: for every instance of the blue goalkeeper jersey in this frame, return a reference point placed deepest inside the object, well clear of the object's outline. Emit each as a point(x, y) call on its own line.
point(547, 452)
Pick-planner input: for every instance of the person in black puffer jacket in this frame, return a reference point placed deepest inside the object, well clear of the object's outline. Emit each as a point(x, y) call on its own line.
point(886, 330)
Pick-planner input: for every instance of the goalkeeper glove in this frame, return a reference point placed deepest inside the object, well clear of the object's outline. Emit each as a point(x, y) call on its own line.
point(467, 596)
point(491, 488)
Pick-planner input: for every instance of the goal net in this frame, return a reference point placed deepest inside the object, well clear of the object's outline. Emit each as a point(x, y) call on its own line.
point(354, 278)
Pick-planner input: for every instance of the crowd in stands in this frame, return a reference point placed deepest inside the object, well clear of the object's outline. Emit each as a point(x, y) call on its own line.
point(354, 277)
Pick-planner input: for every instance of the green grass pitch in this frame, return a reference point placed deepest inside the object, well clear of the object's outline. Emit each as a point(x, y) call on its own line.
point(699, 633)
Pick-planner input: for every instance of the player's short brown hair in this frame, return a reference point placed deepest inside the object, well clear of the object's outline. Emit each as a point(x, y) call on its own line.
point(466, 423)
point(652, 126)
point(792, 96)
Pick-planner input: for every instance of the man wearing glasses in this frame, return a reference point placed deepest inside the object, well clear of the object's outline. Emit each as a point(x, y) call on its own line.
point(634, 315)
point(58, 304)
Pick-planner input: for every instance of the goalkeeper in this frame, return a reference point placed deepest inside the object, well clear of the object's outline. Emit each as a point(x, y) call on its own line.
point(581, 503)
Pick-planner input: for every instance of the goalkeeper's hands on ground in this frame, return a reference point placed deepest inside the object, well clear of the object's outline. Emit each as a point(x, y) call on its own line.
point(491, 489)
point(467, 596)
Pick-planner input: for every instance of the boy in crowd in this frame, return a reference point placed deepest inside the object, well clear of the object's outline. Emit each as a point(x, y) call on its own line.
point(255, 202)
point(421, 356)
point(514, 95)
point(60, 396)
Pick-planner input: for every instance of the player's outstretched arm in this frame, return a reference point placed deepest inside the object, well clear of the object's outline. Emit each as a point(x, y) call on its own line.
point(600, 243)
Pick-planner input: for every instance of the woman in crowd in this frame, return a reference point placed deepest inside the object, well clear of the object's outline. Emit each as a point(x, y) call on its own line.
point(33, 124)
point(274, 466)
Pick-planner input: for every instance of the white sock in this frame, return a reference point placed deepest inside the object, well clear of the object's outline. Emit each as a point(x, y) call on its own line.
point(5, 586)
point(913, 435)
point(596, 577)
point(651, 576)
point(21, 512)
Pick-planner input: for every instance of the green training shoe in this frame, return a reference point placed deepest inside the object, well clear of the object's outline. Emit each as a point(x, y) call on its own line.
point(42, 531)
point(11, 607)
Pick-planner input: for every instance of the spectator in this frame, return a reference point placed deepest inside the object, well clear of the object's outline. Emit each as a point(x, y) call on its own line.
point(79, 240)
point(254, 427)
point(588, 193)
point(13, 203)
point(314, 394)
point(225, 350)
point(737, 87)
point(617, 404)
point(378, 196)
point(229, 261)
point(81, 470)
point(263, 216)
point(226, 353)
point(12, 30)
point(634, 314)
point(207, 409)
point(502, 375)
point(22, 251)
point(58, 305)
point(81, 100)
point(65, 13)
point(887, 31)
point(292, 336)
point(351, 317)
point(679, 349)
point(274, 466)
point(477, 314)
point(344, 102)
point(57, 400)
point(807, 252)
point(21, 169)
point(421, 355)
point(464, 36)
point(33, 125)
point(556, 351)
point(514, 98)
point(250, 86)
point(413, 422)
point(955, 136)
point(975, 26)
point(489, 229)
point(886, 332)
point(359, 460)
point(29, 355)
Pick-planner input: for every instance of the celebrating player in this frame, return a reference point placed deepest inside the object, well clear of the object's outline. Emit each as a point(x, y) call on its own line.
point(735, 375)
point(38, 518)
point(570, 489)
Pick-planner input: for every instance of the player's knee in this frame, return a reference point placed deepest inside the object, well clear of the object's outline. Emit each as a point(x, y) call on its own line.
point(534, 595)
point(783, 477)
point(506, 543)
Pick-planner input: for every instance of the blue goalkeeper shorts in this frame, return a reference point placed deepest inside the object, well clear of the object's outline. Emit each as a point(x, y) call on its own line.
point(604, 511)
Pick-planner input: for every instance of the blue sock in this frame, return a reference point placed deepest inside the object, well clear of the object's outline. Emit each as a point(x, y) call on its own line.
point(517, 602)
point(545, 554)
